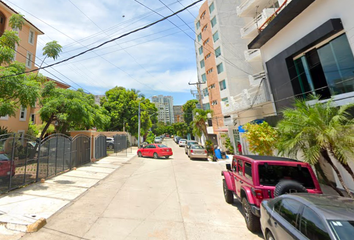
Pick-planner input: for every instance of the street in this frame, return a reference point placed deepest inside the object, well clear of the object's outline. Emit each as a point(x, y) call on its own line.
point(148, 198)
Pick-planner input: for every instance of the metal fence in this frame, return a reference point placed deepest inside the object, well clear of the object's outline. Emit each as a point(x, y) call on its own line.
point(100, 146)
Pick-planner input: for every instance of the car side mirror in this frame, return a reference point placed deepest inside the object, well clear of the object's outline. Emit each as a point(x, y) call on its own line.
point(228, 166)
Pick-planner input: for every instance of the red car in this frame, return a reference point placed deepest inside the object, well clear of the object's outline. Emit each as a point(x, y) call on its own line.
point(7, 168)
point(155, 150)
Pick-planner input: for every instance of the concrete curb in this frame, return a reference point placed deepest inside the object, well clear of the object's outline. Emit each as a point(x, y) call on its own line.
point(34, 227)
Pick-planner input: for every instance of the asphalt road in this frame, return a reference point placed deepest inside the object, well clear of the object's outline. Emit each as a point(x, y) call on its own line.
point(174, 198)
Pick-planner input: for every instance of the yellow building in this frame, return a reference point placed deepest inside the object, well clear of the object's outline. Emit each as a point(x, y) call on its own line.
point(25, 53)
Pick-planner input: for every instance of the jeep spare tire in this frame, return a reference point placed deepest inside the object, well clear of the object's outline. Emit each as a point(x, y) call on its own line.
point(288, 186)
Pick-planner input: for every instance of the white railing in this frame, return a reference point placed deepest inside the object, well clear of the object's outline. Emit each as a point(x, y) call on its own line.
point(253, 55)
point(256, 79)
point(249, 7)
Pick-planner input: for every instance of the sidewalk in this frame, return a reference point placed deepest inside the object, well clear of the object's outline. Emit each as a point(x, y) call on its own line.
point(31, 205)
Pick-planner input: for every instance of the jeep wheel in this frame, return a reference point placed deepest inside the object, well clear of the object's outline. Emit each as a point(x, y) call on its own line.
point(229, 196)
point(167, 157)
point(252, 221)
point(269, 236)
point(288, 186)
point(139, 154)
point(156, 156)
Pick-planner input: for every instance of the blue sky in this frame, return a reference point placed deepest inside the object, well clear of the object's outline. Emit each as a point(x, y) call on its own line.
point(157, 60)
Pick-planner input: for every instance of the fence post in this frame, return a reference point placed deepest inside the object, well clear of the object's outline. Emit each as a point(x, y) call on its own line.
point(39, 142)
point(12, 160)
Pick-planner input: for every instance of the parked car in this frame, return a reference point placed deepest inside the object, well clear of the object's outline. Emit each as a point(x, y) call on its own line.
point(182, 142)
point(7, 168)
point(197, 151)
point(253, 178)
point(177, 138)
point(155, 151)
point(110, 142)
point(158, 139)
point(308, 216)
point(189, 142)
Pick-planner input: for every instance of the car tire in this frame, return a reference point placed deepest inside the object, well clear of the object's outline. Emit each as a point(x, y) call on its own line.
point(156, 156)
point(252, 221)
point(288, 186)
point(139, 154)
point(229, 196)
point(167, 157)
point(269, 236)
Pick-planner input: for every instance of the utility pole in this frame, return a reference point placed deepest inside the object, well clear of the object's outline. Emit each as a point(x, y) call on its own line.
point(139, 127)
point(199, 92)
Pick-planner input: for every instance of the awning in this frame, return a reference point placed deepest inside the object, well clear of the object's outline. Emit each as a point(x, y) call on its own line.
point(257, 121)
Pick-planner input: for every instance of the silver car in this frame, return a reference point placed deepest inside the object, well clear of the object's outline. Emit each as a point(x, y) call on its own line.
point(182, 142)
point(197, 151)
point(189, 143)
point(158, 140)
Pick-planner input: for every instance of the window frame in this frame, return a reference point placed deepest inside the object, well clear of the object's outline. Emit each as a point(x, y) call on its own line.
point(217, 67)
point(216, 34)
point(213, 22)
point(239, 167)
point(29, 37)
point(216, 51)
point(200, 50)
point(222, 85)
point(213, 7)
point(29, 58)
point(202, 63)
point(24, 111)
point(313, 213)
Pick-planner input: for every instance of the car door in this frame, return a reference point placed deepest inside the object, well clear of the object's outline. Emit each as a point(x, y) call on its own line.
point(152, 150)
point(145, 150)
point(238, 173)
point(284, 221)
point(312, 226)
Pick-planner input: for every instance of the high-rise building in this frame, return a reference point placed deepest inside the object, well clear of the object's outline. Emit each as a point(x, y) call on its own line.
point(178, 113)
point(164, 104)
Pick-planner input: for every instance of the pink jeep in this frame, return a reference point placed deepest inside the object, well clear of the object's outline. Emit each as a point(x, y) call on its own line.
point(252, 178)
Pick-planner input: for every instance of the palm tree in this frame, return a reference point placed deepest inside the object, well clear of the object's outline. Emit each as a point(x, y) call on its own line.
point(319, 130)
point(199, 118)
point(51, 50)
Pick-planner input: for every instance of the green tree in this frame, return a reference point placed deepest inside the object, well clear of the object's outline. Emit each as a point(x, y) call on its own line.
point(70, 109)
point(198, 123)
point(188, 108)
point(261, 138)
point(51, 50)
point(150, 137)
point(180, 128)
point(319, 130)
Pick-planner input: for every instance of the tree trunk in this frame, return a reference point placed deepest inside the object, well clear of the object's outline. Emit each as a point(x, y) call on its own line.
point(327, 157)
point(46, 126)
point(326, 180)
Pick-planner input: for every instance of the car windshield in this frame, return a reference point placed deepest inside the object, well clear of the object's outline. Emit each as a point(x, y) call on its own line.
point(197, 147)
point(3, 157)
point(342, 229)
point(270, 175)
point(162, 146)
point(192, 143)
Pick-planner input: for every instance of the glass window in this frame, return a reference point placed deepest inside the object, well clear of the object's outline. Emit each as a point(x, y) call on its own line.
point(205, 92)
point(199, 37)
point(204, 79)
point(23, 114)
point(342, 229)
point(210, 70)
point(206, 106)
point(201, 50)
point(202, 64)
point(212, 86)
point(226, 100)
point(312, 226)
point(248, 170)
point(213, 21)
point(222, 85)
point(214, 102)
point(197, 25)
point(216, 36)
point(239, 167)
point(205, 27)
point(208, 56)
point(217, 52)
point(270, 175)
point(31, 37)
point(289, 210)
point(203, 15)
point(211, 8)
point(29, 60)
point(220, 68)
point(206, 41)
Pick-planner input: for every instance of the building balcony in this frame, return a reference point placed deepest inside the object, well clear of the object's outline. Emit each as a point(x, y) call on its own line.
point(248, 8)
point(256, 79)
point(252, 97)
point(251, 29)
point(253, 55)
point(226, 108)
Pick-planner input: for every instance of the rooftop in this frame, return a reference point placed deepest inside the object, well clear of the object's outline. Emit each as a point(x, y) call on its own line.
point(269, 158)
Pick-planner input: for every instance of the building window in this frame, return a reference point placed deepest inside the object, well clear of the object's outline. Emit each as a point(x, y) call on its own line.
point(199, 37)
point(220, 68)
point(207, 56)
point(206, 41)
point(29, 60)
point(210, 70)
point(217, 52)
point(211, 8)
point(33, 118)
point(213, 21)
point(206, 106)
point(205, 92)
point(201, 50)
point(214, 102)
point(212, 86)
point(23, 113)
point(204, 79)
point(222, 85)
point(205, 27)
point(203, 15)
point(31, 37)
point(216, 36)
point(197, 25)
point(326, 71)
point(225, 100)
point(202, 64)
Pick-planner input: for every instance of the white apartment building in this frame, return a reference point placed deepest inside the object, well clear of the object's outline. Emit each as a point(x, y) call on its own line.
point(164, 104)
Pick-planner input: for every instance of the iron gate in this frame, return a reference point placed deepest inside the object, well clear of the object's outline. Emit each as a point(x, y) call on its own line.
point(100, 146)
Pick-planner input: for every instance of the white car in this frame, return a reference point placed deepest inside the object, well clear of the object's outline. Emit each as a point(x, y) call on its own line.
point(158, 140)
point(182, 142)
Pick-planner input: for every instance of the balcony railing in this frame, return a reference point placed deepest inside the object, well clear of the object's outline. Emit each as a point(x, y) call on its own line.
point(253, 55)
point(248, 8)
point(256, 79)
point(251, 29)
point(226, 107)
